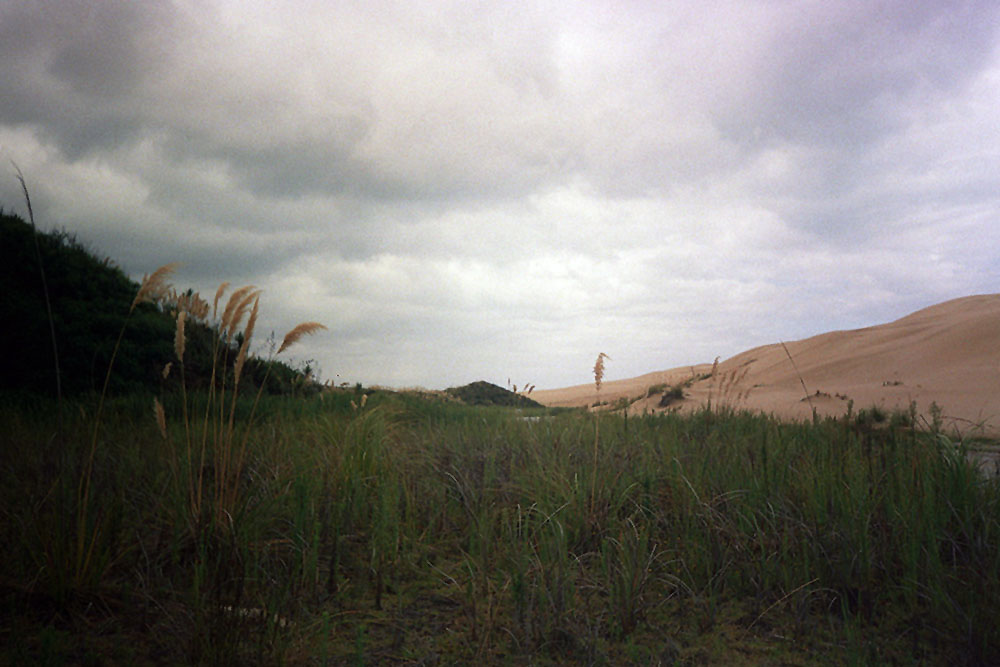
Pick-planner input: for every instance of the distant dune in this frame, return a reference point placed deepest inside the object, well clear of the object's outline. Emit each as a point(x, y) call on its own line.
point(948, 354)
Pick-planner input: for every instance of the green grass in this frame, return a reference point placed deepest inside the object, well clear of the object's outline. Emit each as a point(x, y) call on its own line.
point(412, 529)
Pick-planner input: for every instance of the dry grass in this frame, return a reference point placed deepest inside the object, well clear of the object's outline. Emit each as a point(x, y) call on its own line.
point(598, 378)
point(812, 408)
point(218, 295)
point(304, 329)
point(241, 357)
point(229, 322)
point(154, 285)
point(179, 336)
point(599, 370)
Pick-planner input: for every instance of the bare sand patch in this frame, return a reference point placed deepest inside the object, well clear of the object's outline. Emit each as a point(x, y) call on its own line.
point(947, 355)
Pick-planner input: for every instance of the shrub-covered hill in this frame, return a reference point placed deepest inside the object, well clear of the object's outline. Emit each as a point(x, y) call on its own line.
point(486, 393)
point(90, 300)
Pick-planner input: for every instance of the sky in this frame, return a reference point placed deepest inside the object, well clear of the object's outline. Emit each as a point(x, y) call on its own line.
point(501, 190)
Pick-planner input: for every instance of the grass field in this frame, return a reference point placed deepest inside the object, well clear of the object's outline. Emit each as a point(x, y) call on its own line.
point(402, 529)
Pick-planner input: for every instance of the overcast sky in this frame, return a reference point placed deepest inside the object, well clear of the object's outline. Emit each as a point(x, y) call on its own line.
point(493, 190)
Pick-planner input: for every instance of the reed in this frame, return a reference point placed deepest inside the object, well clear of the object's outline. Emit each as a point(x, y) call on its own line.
point(227, 444)
point(598, 380)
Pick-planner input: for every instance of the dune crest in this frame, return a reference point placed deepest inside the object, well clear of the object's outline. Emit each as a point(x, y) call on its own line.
point(947, 354)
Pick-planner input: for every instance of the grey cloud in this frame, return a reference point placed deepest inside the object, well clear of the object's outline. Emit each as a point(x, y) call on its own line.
point(460, 188)
point(74, 68)
point(840, 74)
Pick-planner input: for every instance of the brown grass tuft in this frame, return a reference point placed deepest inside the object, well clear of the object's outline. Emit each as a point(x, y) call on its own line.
point(242, 308)
point(153, 285)
point(298, 332)
point(179, 336)
point(599, 370)
point(247, 335)
point(218, 295)
point(226, 325)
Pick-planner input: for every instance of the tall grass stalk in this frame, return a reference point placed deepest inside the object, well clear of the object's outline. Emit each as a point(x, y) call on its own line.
point(88, 564)
point(45, 293)
point(598, 380)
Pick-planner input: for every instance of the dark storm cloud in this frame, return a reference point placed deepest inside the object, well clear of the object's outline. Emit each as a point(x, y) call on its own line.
point(75, 70)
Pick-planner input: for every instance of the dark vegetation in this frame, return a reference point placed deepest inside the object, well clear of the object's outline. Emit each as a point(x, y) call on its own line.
point(376, 528)
point(486, 393)
point(672, 395)
point(89, 301)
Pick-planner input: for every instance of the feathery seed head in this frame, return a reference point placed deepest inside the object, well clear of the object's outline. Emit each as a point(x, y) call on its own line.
point(179, 336)
point(247, 335)
point(218, 295)
point(252, 322)
point(298, 332)
point(235, 299)
point(241, 310)
point(154, 285)
point(599, 370)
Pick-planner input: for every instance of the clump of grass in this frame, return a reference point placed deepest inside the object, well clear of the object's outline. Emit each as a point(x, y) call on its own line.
point(218, 425)
point(672, 395)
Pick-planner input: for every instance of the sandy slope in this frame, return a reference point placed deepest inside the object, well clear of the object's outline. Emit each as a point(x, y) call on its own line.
point(947, 354)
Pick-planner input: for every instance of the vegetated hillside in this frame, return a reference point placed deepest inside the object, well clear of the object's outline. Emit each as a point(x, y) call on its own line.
point(487, 393)
point(90, 300)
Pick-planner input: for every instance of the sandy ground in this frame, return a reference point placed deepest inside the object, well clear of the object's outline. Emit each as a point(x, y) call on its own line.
point(948, 354)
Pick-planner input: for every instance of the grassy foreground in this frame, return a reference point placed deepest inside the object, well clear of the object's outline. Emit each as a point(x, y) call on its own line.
point(404, 530)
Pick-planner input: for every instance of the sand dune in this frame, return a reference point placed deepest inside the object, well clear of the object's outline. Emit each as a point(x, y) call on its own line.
point(948, 354)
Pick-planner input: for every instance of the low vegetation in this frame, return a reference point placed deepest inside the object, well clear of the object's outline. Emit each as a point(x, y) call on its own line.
point(411, 530)
point(486, 393)
point(223, 523)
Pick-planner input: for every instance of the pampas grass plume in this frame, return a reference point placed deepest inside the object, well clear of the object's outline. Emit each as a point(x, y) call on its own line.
point(235, 299)
point(179, 336)
point(599, 370)
point(247, 335)
point(298, 332)
point(218, 295)
point(241, 310)
point(153, 285)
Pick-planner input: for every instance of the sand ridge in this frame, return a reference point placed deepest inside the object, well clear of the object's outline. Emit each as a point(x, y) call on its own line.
point(947, 354)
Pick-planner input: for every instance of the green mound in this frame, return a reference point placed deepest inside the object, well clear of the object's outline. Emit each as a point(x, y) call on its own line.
point(486, 393)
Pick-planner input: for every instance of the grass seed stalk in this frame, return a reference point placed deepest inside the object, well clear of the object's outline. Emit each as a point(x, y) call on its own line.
point(598, 380)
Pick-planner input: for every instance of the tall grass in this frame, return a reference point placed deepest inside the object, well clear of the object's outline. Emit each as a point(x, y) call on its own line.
point(373, 527)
